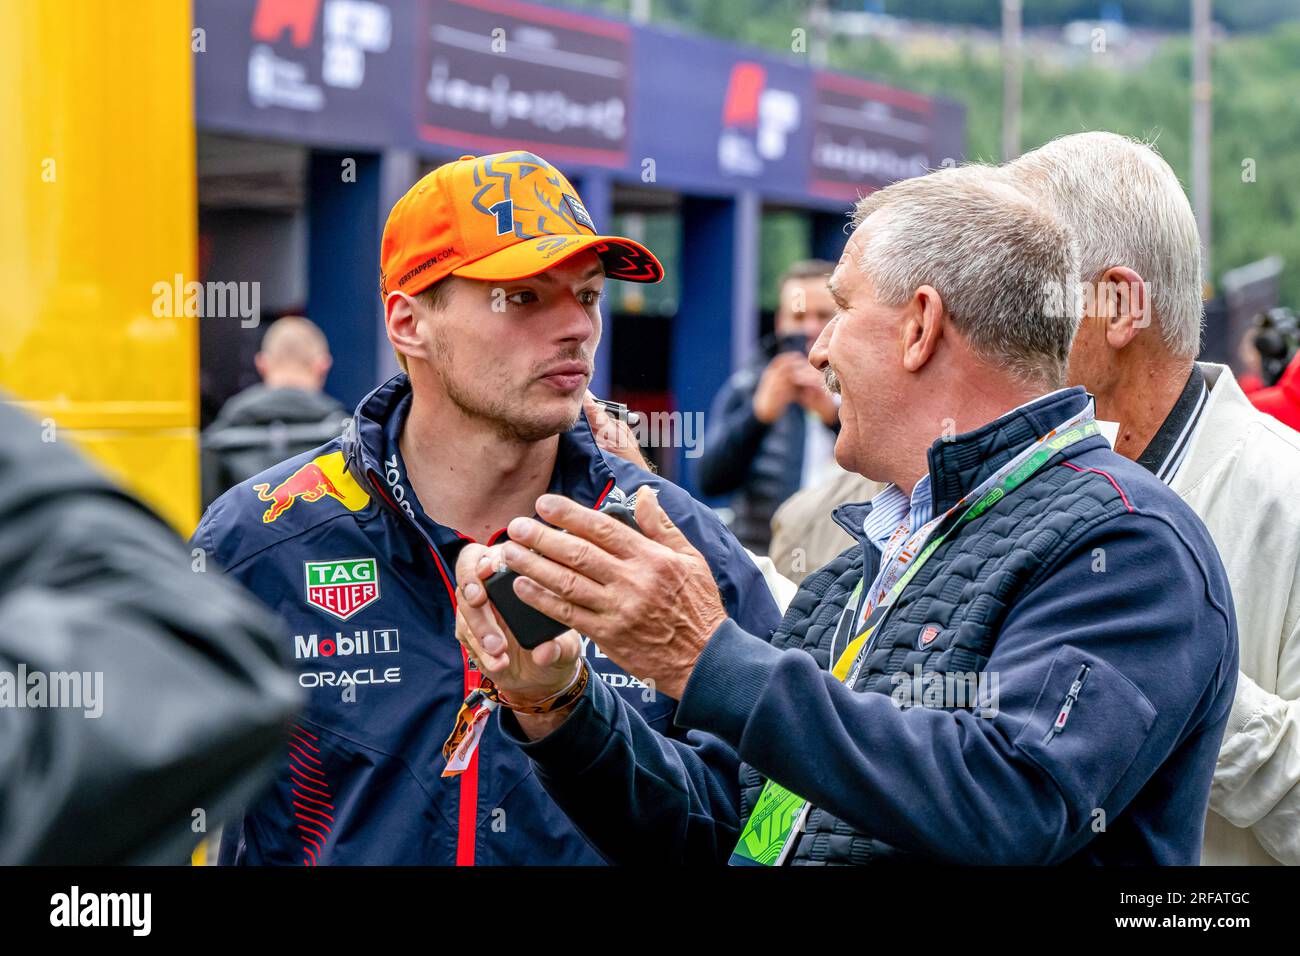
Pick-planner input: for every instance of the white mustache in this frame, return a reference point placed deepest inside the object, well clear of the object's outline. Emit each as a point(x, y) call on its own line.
point(832, 382)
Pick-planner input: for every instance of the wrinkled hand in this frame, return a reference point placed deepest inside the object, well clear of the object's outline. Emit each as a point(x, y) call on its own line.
point(524, 676)
point(778, 386)
point(649, 600)
point(613, 435)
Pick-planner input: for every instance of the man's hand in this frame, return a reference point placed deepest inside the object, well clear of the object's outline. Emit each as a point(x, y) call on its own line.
point(613, 435)
point(649, 600)
point(524, 676)
point(778, 387)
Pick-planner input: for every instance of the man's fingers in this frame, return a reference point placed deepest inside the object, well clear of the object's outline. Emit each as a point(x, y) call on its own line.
point(477, 624)
point(553, 606)
point(788, 362)
point(568, 583)
point(607, 533)
point(597, 418)
point(546, 654)
point(571, 550)
point(562, 649)
point(657, 526)
point(489, 663)
point(467, 559)
point(475, 565)
point(809, 377)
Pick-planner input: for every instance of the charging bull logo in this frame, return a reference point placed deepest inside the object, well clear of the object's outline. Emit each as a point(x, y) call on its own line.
point(322, 477)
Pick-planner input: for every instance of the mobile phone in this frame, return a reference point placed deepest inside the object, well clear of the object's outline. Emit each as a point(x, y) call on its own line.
point(530, 626)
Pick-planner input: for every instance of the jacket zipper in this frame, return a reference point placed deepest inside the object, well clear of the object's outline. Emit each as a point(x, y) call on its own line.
point(1067, 705)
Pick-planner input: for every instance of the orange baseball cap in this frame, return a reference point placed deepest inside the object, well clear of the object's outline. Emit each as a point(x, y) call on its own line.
point(500, 217)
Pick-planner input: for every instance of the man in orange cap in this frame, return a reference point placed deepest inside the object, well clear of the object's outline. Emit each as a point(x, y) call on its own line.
point(492, 279)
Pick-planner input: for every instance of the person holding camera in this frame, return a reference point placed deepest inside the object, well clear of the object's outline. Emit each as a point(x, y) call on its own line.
point(492, 280)
point(772, 426)
point(1277, 342)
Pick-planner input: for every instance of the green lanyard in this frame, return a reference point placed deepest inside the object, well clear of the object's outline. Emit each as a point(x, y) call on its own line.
point(766, 837)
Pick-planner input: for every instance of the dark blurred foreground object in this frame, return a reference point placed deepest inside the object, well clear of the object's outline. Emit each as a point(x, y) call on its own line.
point(284, 416)
point(194, 701)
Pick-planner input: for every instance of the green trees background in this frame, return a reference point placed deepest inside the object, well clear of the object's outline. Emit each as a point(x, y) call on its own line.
point(1256, 65)
point(1256, 125)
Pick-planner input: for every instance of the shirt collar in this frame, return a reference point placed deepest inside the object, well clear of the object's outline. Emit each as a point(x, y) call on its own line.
point(893, 507)
point(960, 463)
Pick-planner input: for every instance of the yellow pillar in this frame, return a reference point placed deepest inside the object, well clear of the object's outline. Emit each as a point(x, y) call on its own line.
point(98, 214)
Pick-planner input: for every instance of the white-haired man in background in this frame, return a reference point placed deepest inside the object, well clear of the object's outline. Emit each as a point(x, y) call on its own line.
point(1190, 424)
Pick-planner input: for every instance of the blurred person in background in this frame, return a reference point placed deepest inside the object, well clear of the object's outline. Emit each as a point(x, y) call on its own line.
point(1276, 338)
point(1250, 361)
point(772, 426)
point(1189, 424)
point(180, 699)
point(492, 277)
point(804, 533)
point(286, 414)
point(1282, 400)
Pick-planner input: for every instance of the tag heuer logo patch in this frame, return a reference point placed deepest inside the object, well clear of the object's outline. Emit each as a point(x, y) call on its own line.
point(342, 587)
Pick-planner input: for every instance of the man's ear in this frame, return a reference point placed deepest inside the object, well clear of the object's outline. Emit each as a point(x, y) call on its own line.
point(1122, 304)
point(923, 320)
point(402, 319)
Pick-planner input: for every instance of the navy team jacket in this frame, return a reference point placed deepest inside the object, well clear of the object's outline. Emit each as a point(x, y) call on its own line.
point(335, 542)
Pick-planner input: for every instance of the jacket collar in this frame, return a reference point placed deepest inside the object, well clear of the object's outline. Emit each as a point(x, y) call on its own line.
point(581, 470)
point(959, 464)
point(851, 517)
point(1226, 424)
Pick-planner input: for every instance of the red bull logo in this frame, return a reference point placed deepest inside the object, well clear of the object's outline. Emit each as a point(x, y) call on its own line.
point(320, 478)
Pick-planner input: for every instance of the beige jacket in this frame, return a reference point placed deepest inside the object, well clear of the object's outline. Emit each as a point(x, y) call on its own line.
point(1242, 476)
point(804, 536)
